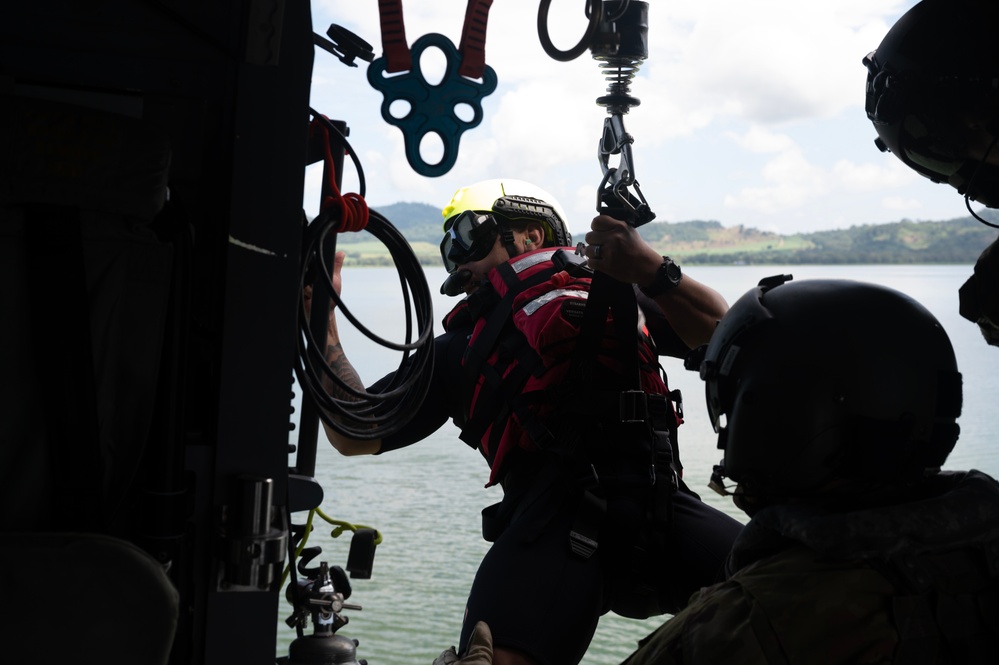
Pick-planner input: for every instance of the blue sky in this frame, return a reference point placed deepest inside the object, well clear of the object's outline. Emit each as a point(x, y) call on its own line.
point(751, 113)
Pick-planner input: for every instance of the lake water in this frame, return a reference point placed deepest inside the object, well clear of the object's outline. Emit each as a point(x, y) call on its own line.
point(426, 499)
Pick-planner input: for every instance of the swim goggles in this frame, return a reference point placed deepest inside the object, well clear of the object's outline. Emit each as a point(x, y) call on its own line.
point(468, 237)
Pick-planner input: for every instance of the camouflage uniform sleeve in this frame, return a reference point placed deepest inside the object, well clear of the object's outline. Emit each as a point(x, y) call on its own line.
point(792, 608)
point(716, 628)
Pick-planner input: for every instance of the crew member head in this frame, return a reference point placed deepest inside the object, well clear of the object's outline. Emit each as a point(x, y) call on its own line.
point(832, 392)
point(495, 220)
point(933, 96)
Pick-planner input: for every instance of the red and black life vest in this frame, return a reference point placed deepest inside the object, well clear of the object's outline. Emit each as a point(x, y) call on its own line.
point(522, 369)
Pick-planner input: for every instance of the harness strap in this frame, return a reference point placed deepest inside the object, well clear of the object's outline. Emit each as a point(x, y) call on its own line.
point(394, 42)
point(499, 364)
point(473, 39)
point(500, 393)
point(477, 356)
point(608, 294)
point(585, 532)
point(472, 46)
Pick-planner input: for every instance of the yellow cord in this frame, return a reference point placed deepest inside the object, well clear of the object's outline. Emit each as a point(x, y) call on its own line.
point(298, 550)
point(340, 525)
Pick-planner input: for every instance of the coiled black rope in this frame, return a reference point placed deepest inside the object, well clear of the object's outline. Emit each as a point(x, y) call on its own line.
point(347, 409)
point(355, 412)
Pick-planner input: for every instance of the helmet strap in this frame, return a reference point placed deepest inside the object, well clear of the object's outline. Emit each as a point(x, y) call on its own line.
point(993, 129)
point(506, 235)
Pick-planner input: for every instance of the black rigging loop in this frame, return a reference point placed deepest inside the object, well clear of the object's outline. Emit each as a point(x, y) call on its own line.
point(345, 45)
point(594, 12)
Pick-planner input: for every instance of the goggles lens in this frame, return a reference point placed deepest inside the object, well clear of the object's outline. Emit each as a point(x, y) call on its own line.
point(468, 238)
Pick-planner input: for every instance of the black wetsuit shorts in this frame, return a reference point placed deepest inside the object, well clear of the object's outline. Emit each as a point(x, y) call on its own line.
point(539, 598)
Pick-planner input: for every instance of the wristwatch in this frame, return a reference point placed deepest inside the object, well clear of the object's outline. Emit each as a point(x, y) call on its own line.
point(668, 277)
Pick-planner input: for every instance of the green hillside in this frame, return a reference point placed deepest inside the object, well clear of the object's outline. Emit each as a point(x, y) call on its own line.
point(419, 223)
point(956, 241)
point(708, 242)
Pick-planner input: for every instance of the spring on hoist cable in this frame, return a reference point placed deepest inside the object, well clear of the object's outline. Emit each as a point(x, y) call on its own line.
point(619, 77)
point(621, 45)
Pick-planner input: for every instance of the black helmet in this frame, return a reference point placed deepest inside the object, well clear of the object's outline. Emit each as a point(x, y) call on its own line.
point(825, 381)
point(933, 94)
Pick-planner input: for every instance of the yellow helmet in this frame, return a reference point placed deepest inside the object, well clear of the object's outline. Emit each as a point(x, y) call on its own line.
point(511, 200)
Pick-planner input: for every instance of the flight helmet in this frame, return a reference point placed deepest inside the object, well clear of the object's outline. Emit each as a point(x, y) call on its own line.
point(829, 383)
point(933, 94)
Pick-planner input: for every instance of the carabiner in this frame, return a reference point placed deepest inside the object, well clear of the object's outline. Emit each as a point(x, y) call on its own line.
point(613, 189)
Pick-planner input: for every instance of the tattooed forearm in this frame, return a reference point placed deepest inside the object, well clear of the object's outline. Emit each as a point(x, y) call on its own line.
point(337, 360)
point(348, 378)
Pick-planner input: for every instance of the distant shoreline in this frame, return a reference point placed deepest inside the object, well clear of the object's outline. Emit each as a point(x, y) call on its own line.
point(708, 243)
point(386, 262)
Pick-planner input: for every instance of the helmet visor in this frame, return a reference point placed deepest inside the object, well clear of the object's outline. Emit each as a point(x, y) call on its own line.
point(468, 237)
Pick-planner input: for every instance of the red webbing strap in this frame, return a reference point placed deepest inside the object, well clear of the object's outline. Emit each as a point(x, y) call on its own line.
point(394, 44)
point(472, 46)
point(473, 39)
point(352, 207)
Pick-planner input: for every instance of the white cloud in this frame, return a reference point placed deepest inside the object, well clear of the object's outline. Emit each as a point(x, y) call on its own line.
point(873, 177)
point(900, 204)
point(741, 115)
point(767, 61)
point(792, 182)
point(761, 140)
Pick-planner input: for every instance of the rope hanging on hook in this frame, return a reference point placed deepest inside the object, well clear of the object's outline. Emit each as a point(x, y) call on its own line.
point(352, 208)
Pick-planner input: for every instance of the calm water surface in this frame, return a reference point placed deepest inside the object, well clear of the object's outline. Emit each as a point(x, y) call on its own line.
point(426, 499)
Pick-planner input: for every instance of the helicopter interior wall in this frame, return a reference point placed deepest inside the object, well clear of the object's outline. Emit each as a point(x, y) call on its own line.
point(84, 285)
point(154, 320)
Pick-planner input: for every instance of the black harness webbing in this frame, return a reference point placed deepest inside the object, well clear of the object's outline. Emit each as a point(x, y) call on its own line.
point(477, 355)
point(610, 296)
point(613, 397)
point(494, 398)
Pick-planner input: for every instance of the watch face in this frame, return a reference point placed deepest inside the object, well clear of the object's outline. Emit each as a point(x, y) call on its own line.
point(673, 272)
point(667, 277)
